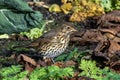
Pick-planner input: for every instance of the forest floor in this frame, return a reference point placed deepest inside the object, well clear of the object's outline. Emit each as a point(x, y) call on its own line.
point(97, 39)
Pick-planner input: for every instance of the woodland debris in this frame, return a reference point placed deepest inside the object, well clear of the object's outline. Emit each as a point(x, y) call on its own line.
point(29, 63)
point(107, 37)
point(110, 20)
point(65, 64)
point(115, 66)
point(25, 58)
point(107, 49)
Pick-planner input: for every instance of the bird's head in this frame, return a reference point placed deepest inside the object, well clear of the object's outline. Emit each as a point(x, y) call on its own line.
point(68, 28)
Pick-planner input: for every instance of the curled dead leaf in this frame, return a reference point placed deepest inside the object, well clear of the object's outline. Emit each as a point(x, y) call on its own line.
point(55, 8)
point(110, 20)
point(69, 63)
point(115, 66)
point(102, 49)
point(29, 63)
point(107, 49)
point(66, 7)
point(91, 35)
point(64, 1)
point(116, 39)
point(59, 64)
point(23, 59)
point(113, 31)
point(41, 63)
point(114, 47)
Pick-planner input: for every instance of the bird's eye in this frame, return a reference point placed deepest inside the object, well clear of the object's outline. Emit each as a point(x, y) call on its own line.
point(68, 27)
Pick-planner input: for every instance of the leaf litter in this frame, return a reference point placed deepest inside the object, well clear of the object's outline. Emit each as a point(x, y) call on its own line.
point(107, 48)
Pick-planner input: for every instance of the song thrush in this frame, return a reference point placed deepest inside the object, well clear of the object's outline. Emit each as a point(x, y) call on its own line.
point(54, 42)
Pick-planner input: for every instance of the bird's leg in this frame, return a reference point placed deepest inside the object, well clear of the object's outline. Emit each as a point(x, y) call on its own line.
point(52, 60)
point(48, 60)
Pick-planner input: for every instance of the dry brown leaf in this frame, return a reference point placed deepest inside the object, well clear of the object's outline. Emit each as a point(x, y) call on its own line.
point(18, 37)
point(110, 20)
point(116, 39)
point(28, 67)
point(112, 31)
point(107, 49)
point(23, 58)
point(13, 56)
point(115, 66)
point(96, 35)
point(114, 47)
point(41, 63)
point(69, 63)
point(59, 64)
point(102, 49)
point(65, 64)
point(91, 35)
point(29, 63)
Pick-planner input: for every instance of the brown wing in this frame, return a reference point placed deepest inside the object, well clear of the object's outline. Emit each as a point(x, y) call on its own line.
point(44, 39)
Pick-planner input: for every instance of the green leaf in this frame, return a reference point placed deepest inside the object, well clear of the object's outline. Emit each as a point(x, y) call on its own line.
point(38, 73)
point(54, 73)
point(90, 70)
point(13, 73)
point(110, 75)
point(61, 57)
point(68, 71)
point(8, 71)
point(36, 32)
point(106, 4)
point(19, 5)
point(12, 22)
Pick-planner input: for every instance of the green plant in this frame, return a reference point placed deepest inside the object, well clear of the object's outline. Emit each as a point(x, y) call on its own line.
point(75, 54)
point(41, 73)
point(51, 73)
point(107, 5)
point(12, 73)
point(110, 75)
point(116, 4)
point(36, 32)
point(90, 70)
point(110, 5)
point(72, 55)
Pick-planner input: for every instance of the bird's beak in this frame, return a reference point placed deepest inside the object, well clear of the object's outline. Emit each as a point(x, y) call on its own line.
point(74, 30)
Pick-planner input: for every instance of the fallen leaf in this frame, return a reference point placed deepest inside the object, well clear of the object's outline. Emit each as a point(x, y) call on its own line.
point(115, 66)
point(18, 37)
point(110, 20)
point(41, 63)
point(114, 47)
point(91, 35)
point(69, 63)
point(55, 8)
point(64, 1)
point(78, 16)
point(66, 7)
point(23, 58)
point(28, 67)
point(113, 31)
point(102, 49)
point(59, 64)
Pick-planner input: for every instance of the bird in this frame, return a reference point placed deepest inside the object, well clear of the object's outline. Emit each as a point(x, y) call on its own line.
point(54, 42)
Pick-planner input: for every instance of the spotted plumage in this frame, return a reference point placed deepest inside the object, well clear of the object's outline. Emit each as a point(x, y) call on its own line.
point(54, 42)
